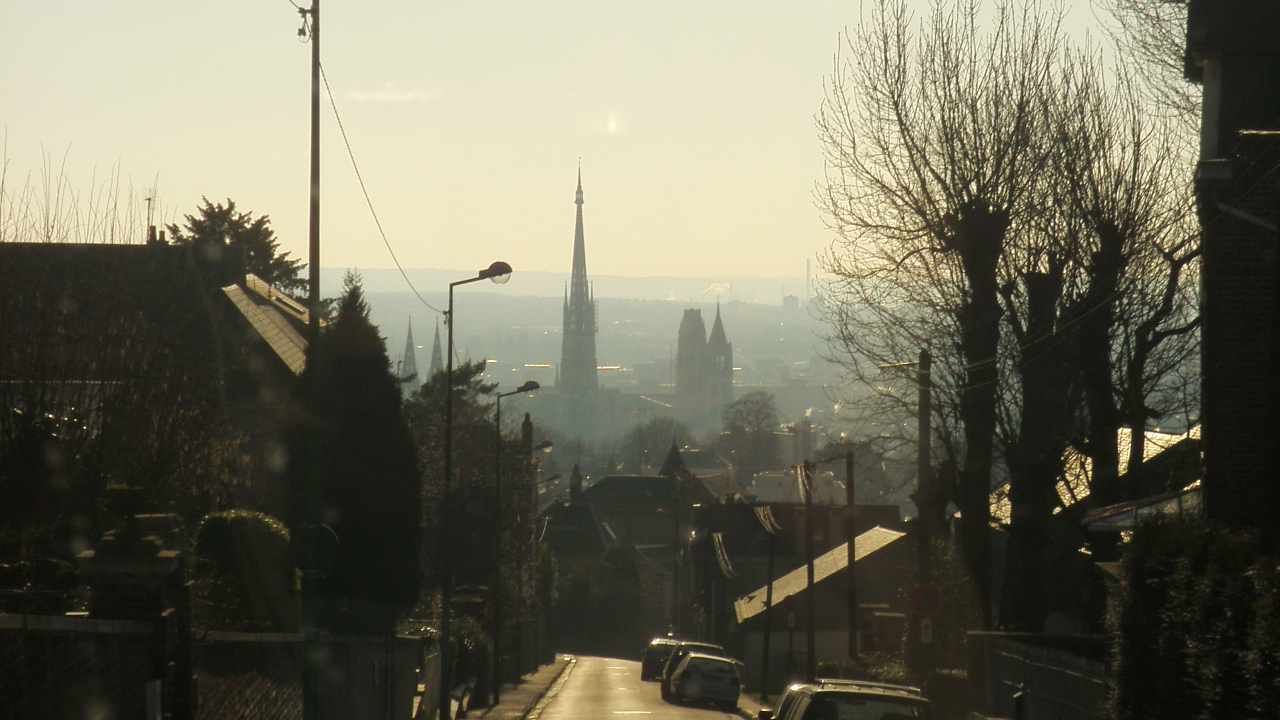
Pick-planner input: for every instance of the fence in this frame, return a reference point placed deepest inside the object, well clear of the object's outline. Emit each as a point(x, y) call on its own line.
point(61, 667)
point(1057, 676)
point(259, 675)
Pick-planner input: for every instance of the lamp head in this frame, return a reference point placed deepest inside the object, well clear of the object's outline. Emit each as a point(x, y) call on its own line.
point(499, 273)
point(545, 445)
point(530, 387)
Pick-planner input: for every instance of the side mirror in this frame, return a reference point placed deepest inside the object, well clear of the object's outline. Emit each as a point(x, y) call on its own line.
point(765, 714)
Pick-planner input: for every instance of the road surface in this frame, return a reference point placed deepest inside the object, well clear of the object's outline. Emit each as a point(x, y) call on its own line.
point(609, 689)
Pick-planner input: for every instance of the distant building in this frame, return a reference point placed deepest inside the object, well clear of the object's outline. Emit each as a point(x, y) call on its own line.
point(704, 369)
point(577, 380)
point(409, 380)
point(437, 357)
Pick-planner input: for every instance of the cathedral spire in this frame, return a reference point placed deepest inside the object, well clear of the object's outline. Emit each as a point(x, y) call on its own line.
point(578, 283)
point(409, 379)
point(437, 357)
point(578, 344)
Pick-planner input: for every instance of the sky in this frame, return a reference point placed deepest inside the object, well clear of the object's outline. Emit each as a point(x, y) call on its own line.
point(693, 123)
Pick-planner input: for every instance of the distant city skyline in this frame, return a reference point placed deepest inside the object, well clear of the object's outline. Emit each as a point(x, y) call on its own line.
point(431, 283)
point(693, 124)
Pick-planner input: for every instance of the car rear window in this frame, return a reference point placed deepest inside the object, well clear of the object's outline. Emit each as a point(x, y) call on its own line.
point(852, 707)
point(708, 665)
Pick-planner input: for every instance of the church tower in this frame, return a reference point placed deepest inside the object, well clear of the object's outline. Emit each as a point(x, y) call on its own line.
point(577, 372)
point(409, 380)
point(719, 363)
point(437, 358)
point(691, 359)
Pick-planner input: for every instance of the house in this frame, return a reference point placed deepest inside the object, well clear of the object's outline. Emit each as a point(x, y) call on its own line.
point(145, 355)
point(882, 565)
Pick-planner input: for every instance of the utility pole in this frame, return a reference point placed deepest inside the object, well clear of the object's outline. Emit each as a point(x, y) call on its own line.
point(927, 498)
point(851, 537)
point(811, 662)
point(313, 575)
point(768, 607)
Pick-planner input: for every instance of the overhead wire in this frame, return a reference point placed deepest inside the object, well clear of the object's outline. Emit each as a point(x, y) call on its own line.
point(369, 201)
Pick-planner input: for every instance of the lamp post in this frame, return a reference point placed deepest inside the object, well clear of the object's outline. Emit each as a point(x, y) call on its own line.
point(530, 387)
point(528, 448)
point(499, 272)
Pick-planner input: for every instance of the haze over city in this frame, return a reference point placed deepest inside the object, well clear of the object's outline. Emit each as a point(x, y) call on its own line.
point(693, 124)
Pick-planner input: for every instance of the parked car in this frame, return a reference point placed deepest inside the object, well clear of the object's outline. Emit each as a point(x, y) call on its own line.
point(706, 678)
point(655, 657)
point(848, 700)
point(780, 705)
point(684, 648)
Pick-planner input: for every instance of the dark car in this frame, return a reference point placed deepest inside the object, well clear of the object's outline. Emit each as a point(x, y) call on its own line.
point(655, 657)
point(838, 699)
point(706, 678)
point(678, 654)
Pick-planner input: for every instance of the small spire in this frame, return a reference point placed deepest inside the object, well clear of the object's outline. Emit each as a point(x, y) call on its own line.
point(577, 198)
point(674, 463)
point(437, 357)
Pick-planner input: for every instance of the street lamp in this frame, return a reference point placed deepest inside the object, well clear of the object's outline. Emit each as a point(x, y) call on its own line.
point(530, 387)
point(544, 446)
point(499, 272)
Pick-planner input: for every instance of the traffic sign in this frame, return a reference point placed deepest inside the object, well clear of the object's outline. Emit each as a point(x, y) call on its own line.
point(926, 600)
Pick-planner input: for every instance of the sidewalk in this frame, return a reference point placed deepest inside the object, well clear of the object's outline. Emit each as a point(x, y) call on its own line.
point(517, 700)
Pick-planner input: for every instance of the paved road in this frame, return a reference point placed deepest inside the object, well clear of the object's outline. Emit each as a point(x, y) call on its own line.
point(608, 689)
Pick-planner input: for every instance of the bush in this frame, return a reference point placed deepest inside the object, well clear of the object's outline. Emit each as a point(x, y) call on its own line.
point(244, 580)
point(1195, 627)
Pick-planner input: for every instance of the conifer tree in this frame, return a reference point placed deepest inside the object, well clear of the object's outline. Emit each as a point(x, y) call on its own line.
point(220, 224)
point(368, 473)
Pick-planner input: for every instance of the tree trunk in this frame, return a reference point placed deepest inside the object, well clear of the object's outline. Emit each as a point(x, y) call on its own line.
point(978, 232)
point(1046, 367)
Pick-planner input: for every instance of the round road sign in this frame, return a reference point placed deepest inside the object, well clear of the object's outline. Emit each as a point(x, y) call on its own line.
point(926, 600)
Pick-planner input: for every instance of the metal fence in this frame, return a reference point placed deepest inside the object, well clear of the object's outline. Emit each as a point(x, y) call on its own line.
point(60, 667)
point(258, 675)
point(1056, 684)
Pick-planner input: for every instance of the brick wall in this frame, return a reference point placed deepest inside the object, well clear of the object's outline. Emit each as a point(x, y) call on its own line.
point(1239, 198)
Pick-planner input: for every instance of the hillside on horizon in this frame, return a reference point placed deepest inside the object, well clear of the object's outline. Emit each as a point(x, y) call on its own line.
point(537, 283)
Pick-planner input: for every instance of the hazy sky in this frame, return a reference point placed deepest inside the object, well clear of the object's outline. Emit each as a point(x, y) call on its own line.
point(693, 122)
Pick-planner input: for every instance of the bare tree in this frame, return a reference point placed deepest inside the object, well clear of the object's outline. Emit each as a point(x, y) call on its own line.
point(1150, 36)
point(1001, 202)
point(931, 150)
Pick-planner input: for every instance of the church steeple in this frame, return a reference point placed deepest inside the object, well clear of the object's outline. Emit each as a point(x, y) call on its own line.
point(577, 372)
point(579, 291)
point(437, 357)
point(409, 380)
point(720, 357)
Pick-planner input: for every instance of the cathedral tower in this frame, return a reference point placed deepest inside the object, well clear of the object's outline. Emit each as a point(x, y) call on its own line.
point(409, 380)
point(719, 363)
point(691, 359)
point(577, 373)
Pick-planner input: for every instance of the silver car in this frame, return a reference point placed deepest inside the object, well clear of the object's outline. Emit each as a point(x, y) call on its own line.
point(706, 678)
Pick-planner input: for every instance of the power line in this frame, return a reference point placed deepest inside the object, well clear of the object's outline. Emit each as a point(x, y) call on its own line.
point(367, 199)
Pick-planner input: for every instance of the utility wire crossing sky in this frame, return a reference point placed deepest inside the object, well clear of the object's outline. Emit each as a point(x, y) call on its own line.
point(693, 123)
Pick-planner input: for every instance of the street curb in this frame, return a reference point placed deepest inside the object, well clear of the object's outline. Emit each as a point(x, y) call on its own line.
point(549, 693)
